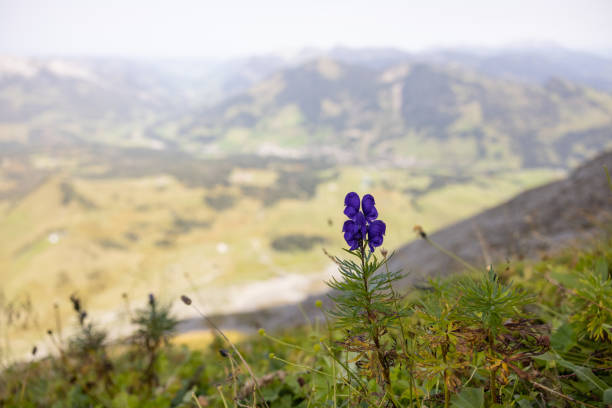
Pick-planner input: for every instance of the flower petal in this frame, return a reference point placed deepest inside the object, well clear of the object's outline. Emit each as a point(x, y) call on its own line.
point(377, 228)
point(375, 243)
point(361, 223)
point(351, 201)
point(372, 214)
point(349, 226)
point(367, 204)
point(351, 212)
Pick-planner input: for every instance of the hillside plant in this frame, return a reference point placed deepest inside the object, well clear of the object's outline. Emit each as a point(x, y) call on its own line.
point(155, 327)
point(365, 303)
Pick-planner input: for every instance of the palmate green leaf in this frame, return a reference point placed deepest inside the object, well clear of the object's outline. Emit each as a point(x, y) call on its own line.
point(585, 374)
point(608, 177)
point(123, 399)
point(469, 397)
point(488, 302)
point(607, 396)
point(524, 402)
point(569, 280)
point(563, 338)
point(593, 301)
point(601, 269)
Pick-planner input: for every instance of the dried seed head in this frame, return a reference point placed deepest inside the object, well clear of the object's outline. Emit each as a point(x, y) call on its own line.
point(34, 350)
point(186, 300)
point(384, 252)
point(76, 303)
point(50, 332)
point(151, 300)
point(419, 230)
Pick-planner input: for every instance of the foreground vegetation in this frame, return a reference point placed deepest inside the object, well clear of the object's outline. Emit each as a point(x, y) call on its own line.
point(525, 334)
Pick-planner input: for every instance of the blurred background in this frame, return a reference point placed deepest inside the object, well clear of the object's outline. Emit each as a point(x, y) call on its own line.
point(205, 148)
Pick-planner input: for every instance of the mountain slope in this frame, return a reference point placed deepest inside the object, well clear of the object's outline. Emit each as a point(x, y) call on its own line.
point(374, 107)
point(410, 112)
point(533, 64)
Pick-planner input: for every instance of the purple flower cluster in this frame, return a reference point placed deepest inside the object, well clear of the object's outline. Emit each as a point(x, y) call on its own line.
point(362, 225)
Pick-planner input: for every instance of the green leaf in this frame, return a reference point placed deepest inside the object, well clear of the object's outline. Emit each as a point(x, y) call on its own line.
point(469, 397)
point(607, 396)
point(585, 374)
point(565, 279)
point(524, 403)
point(123, 399)
point(601, 269)
point(608, 177)
point(563, 338)
point(270, 393)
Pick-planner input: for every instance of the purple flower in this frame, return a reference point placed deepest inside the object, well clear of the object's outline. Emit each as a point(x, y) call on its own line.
point(362, 226)
point(351, 201)
point(376, 230)
point(355, 231)
point(369, 210)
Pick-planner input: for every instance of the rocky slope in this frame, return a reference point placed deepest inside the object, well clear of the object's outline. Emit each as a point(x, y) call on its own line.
point(544, 219)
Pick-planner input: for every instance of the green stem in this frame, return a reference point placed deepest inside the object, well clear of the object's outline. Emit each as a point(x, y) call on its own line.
point(492, 372)
point(446, 392)
point(374, 331)
point(222, 396)
point(452, 255)
point(284, 343)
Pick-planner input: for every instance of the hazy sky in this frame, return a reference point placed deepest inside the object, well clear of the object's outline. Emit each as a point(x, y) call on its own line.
point(225, 28)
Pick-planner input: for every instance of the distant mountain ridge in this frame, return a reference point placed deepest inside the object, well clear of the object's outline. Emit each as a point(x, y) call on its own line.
point(413, 109)
point(511, 108)
point(536, 64)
